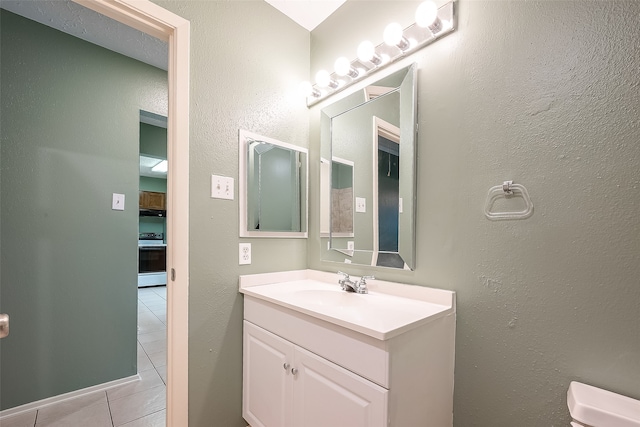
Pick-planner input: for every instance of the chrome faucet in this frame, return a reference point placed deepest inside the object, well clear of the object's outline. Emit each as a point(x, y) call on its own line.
point(349, 285)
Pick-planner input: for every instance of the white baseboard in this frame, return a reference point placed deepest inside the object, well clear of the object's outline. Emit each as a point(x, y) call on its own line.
point(66, 396)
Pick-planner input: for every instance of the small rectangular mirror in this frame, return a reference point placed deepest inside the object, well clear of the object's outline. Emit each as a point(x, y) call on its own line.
point(273, 184)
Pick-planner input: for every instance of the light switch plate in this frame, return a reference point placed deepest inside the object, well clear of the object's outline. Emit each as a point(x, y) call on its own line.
point(117, 202)
point(350, 245)
point(221, 187)
point(400, 208)
point(361, 204)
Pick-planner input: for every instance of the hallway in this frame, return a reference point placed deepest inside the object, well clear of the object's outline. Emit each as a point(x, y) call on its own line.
point(138, 404)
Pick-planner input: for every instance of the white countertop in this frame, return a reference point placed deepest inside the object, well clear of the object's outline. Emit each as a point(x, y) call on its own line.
point(388, 310)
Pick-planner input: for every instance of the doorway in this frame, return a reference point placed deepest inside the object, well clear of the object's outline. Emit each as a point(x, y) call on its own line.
point(158, 22)
point(387, 204)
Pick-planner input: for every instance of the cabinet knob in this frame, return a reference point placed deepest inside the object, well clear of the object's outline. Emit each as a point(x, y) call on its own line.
point(286, 366)
point(294, 371)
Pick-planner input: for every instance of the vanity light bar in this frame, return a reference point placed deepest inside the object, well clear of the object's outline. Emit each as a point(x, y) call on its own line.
point(431, 24)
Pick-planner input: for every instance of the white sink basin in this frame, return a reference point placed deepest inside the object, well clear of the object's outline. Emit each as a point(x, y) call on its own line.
point(379, 314)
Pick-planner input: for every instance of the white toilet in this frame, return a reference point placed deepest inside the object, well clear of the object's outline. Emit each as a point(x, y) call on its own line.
point(593, 407)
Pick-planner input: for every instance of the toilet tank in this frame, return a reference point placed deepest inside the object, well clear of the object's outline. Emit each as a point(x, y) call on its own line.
point(601, 408)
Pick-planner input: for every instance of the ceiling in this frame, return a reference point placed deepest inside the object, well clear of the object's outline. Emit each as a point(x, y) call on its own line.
point(308, 13)
point(78, 21)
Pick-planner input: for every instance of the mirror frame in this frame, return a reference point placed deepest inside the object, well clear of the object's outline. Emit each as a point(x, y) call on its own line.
point(368, 257)
point(243, 195)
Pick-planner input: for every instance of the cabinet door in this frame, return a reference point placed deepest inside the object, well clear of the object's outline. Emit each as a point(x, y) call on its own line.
point(152, 200)
point(157, 200)
point(326, 394)
point(267, 384)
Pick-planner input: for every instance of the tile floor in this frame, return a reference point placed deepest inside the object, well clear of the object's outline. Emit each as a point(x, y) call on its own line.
point(139, 404)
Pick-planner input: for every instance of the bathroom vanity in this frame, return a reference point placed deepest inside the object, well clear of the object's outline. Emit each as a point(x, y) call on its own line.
point(317, 356)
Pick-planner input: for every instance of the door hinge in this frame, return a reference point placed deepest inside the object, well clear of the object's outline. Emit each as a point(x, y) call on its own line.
point(173, 275)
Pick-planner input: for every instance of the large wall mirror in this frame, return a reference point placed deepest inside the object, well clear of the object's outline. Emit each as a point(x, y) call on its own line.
point(368, 174)
point(273, 187)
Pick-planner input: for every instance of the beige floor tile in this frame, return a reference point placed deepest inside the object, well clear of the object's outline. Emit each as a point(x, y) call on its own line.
point(159, 358)
point(138, 405)
point(27, 419)
point(143, 363)
point(146, 316)
point(151, 336)
point(162, 371)
point(148, 326)
point(157, 419)
point(148, 379)
point(154, 346)
point(90, 410)
point(159, 311)
point(156, 304)
point(162, 291)
point(153, 304)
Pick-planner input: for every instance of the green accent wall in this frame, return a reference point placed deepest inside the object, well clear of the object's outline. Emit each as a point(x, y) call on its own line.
point(153, 141)
point(544, 93)
point(246, 61)
point(341, 175)
point(158, 185)
point(69, 139)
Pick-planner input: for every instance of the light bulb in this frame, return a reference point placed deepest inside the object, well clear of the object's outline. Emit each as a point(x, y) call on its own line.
point(306, 89)
point(367, 53)
point(393, 36)
point(427, 16)
point(323, 79)
point(343, 68)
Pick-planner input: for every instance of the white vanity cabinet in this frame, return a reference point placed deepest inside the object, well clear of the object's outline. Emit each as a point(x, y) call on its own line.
point(287, 386)
point(315, 356)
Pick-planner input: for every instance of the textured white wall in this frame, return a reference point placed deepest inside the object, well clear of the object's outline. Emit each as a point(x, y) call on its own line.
point(546, 94)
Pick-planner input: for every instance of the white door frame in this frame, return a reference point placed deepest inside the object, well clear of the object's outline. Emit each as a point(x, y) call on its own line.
point(150, 18)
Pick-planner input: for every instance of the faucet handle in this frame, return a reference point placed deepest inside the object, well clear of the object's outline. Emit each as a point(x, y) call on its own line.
point(363, 279)
point(344, 275)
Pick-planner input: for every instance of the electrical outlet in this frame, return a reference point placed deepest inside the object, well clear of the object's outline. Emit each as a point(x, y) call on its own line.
point(245, 253)
point(361, 204)
point(400, 208)
point(221, 187)
point(350, 245)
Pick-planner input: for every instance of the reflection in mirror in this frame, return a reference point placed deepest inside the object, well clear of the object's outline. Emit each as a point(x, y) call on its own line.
point(336, 184)
point(387, 203)
point(273, 187)
point(372, 130)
